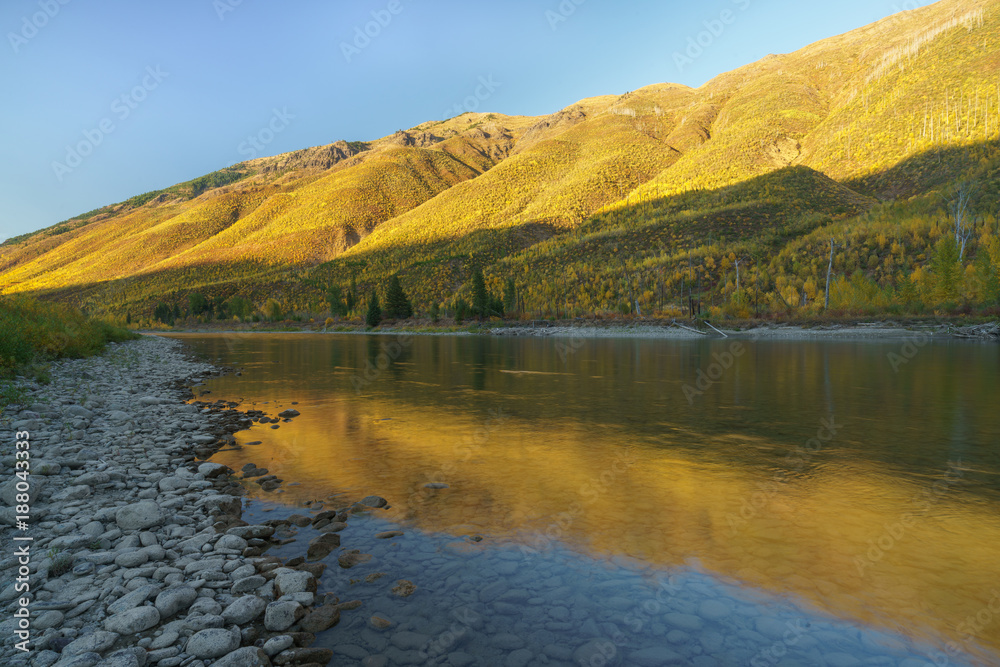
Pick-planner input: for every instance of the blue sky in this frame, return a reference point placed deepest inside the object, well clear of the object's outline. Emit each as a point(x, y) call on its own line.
point(112, 99)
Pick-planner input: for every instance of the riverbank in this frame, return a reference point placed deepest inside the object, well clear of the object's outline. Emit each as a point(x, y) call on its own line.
point(125, 549)
point(672, 330)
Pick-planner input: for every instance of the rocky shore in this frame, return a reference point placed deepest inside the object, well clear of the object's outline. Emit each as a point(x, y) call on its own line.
point(137, 555)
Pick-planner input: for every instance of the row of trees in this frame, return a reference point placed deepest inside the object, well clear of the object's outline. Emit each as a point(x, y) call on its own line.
point(484, 304)
point(397, 304)
point(206, 308)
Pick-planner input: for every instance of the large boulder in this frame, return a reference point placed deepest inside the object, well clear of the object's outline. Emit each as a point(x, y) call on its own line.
point(212, 643)
point(289, 581)
point(9, 492)
point(139, 516)
point(281, 615)
point(132, 621)
point(248, 656)
point(244, 610)
point(174, 600)
point(212, 470)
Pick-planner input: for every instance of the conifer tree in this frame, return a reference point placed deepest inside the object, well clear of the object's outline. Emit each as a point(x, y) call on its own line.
point(480, 297)
point(397, 306)
point(374, 315)
point(334, 296)
point(510, 296)
point(352, 296)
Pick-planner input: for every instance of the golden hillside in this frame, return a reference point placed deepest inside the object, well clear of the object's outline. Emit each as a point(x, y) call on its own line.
point(904, 107)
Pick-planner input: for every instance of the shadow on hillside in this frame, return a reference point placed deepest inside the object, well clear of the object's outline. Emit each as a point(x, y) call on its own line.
point(925, 171)
point(766, 204)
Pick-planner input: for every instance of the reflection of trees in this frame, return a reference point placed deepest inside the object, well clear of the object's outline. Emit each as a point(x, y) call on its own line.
point(777, 391)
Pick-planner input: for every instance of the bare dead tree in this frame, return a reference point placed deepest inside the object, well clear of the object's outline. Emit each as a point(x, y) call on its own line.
point(829, 273)
point(959, 210)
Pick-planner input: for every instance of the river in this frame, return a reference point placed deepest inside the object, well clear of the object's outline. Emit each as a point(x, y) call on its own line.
point(640, 502)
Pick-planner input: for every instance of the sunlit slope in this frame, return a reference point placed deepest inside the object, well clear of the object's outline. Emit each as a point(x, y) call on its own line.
point(316, 222)
point(853, 105)
point(271, 218)
point(557, 182)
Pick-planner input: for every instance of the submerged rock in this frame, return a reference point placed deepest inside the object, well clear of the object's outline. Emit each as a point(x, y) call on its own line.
point(321, 547)
point(404, 588)
point(352, 558)
point(321, 618)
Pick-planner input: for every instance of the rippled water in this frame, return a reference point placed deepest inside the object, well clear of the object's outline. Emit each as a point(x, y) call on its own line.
point(712, 502)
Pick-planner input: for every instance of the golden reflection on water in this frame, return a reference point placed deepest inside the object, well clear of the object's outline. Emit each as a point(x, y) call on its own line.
point(914, 553)
point(806, 536)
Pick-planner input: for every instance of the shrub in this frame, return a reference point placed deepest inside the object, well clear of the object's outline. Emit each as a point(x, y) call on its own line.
point(34, 332)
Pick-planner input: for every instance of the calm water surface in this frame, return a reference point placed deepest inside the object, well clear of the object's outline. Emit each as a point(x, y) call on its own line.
point(641, 502)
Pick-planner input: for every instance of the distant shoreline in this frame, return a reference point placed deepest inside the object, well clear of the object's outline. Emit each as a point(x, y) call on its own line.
point(664, 331)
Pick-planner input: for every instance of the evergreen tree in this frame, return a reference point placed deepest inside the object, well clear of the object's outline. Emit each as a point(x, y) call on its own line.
point(435, 312)
point(163, 314)
point(480, 297)
point(197, 303)
point(495, 307)
point(374, 315)
point(128, 318)
point(397, 306)
point(352, 296)
point(334, 296)
point(176, 314)
point(461, 310)
point(510, 296)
